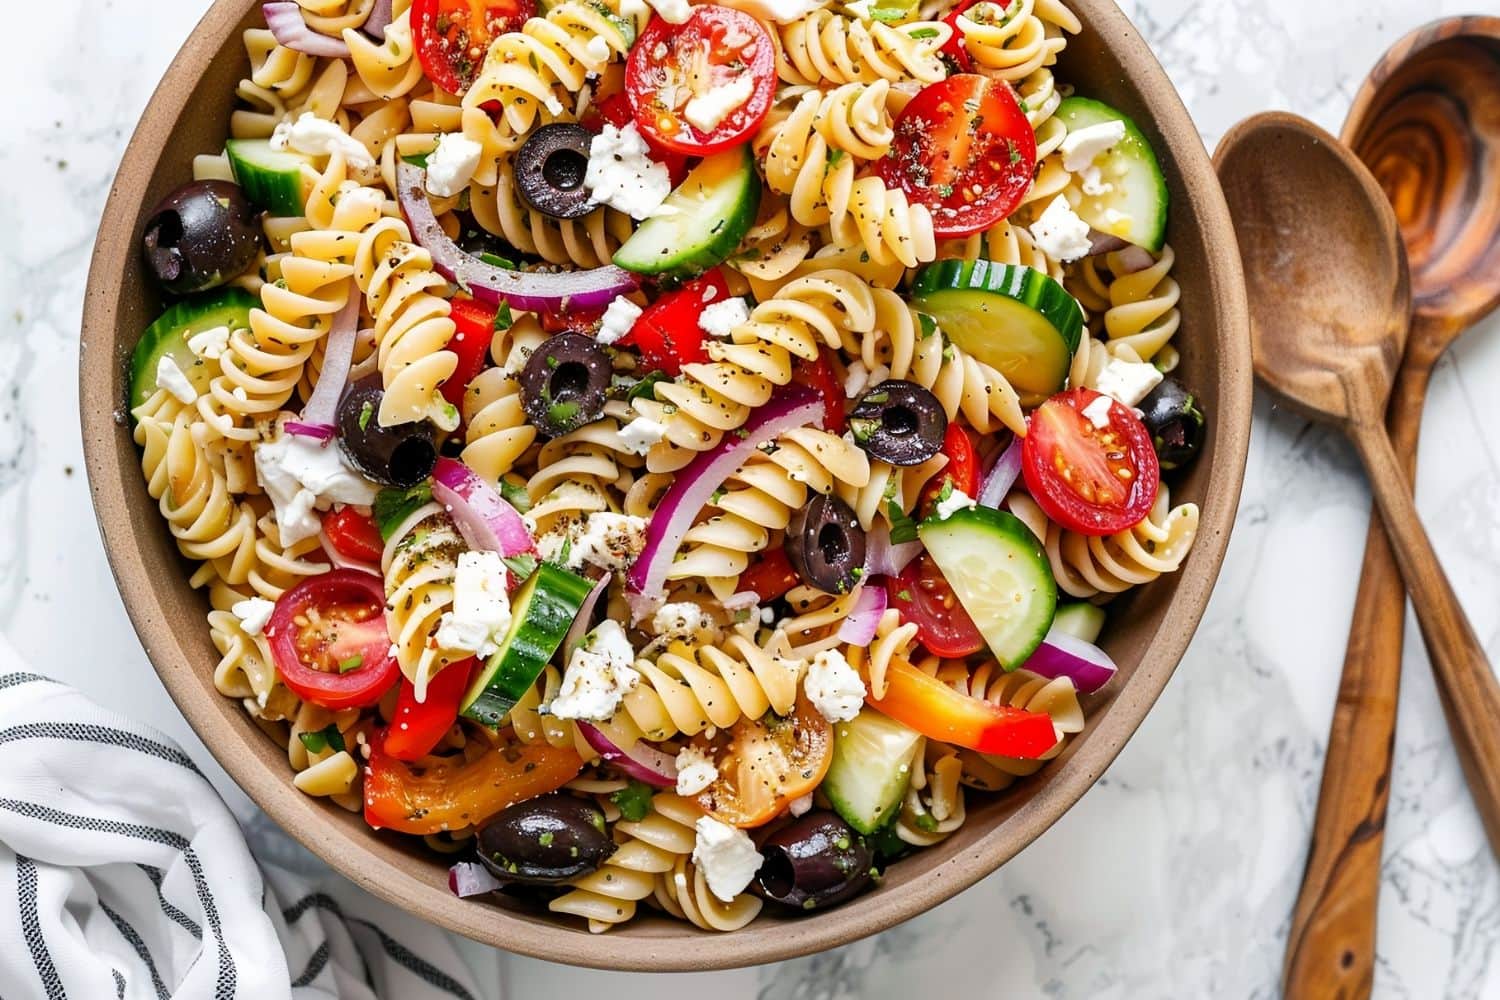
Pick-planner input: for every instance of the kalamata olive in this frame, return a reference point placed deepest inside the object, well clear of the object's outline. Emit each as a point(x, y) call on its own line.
point(550, 166)
point(564, 384)
point(815, 862)
point(402, 455)
point(826, 545)
point(1176, 423)
point(201, 236)
point(545, 840)
point(899, 422)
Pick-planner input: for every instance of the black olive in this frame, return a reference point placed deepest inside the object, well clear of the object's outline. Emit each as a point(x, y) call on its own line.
point(826, 545)
point(401, 456)
point(550, 166)
point(201, 235)
point(1176, 423)
point(545, 840)
point(564, 384)
point(816, 862)
point(899, 422)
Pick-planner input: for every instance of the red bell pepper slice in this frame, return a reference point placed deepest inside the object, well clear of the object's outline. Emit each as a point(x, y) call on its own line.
point(939, 712)
point(475, 330)
point(416, 727)
point(667, 334)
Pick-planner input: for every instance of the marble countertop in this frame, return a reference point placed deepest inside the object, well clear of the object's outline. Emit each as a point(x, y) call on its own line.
point(1175, 876)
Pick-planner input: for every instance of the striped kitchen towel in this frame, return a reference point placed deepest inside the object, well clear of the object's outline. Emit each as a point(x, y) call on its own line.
point(123, 874)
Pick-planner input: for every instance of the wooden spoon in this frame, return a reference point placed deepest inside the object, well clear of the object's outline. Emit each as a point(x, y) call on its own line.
point(1419, 124)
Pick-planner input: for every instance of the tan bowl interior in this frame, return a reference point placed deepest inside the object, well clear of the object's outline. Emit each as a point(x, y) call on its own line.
point(1148, 630)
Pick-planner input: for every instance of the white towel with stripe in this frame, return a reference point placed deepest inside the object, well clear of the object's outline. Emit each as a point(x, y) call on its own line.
point(128, 877)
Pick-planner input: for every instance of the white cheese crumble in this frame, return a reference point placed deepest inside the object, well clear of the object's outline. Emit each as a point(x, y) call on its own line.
point(630, 8)
point(672, 11)
point(210, 344)
point(605, 539)
point(481, 606)
point(641, 434)
point(859, 378)
point(682, 620)
point(599, 675)
point(695, 771)
point(622, 174)
point(705, 111)
point(1128, 381)
point(1094, 183)
point(1097, 412)
point(720, 319)
point(618, 318)
point(957, 500)
point(726, 856)
point(451, 166)
point(1083, 147)
point(253, 613)
point(597, 49)
point(834, 687)
point(801, 805)
point(1060, 233)
point(171, 377)
point(302, 475)
point(313, 136)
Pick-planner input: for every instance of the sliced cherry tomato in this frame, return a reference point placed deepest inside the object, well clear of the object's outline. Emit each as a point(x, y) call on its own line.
point(769, 762)
point(450, 793)
point(962, 470)
point(939, 712)
point(417, 726)
point(475, 329)
point(452, 36)
point(667, 334)
point(354, 535)
point(674, 65)
point(770, 576)
point(1093, 480)
point(820, 378)
point(964, 148)
point(954, 48)
point(584, 321)
point(923, 597)
point(329, 640)
point(616, 111)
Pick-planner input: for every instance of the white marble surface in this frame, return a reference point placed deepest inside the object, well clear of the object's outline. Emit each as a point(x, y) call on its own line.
point(1175, 876)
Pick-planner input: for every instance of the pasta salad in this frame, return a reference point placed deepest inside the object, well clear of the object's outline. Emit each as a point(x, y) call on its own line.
point(670, 455)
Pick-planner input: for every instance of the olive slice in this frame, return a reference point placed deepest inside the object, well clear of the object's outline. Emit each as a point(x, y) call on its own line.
point(899, 422)
point(550, 167)
point(546, 840)
point(564, 384)
point(1176, 422)
point(814, 862)
point(399, 456)
point(201, 236)
point(826, 545)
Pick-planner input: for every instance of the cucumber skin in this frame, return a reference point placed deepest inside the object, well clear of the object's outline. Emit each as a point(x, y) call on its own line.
point(544, 610)
point(222, 307)
point(686, 264)
point(270, 189)
point(1139, 146)
point(857, 751)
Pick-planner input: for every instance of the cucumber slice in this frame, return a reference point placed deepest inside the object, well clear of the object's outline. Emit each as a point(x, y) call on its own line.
point(1135, 206)
point(229, 307)
point(541, 613)
point(1000, 574)
point(273, 179)
point(1080, 620)
point(701, 223)
point(872, 760)
point(1015, 319)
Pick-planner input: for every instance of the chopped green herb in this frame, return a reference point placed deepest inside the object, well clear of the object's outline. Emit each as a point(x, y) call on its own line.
point(834, 156)
point(419, 160)
point(562, 414)
point(352, 663)
point(903, 594)
point(921, 33)
point(515, 495)
point(565, 554)
point(546, 839)
point(366, 411)
point(392, 506)
point(903, 528)
point(503, 318)
point(947, 491)
point(634, 801)
point(927, 823)
point(324, 738)
point(495, 260)
point(522, 565)
point(863, 428)
point(927, 323)
point(646, 387)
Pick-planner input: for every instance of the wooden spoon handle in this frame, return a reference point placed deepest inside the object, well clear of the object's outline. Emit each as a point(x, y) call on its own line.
point(1470, 691)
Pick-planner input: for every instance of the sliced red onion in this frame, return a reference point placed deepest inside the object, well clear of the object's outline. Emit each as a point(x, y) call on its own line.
point(530, 291)
point(741, 600)
point(1002, 476)
point(859, 627)
point(1133, 259)
point(470, 878)
point(885, 556)
point(1100, 243)
point(580, 626)
point(284, 18)
point(790, 407)
point(486, 521)
point(298, 428)
point(342, 561)
point(642, 761)
point(379, 19)
point(338, 355)
point(1064, 655)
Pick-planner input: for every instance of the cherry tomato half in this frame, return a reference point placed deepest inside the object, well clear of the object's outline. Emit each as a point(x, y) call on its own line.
point(820, 378)
point(416, 726)
point(923, 597)
point(1093, 480)
point(667, 334)
point(615, 110)
point(964, 148)
point(475, 329)
point(453, 36)
point(770, 576)
point(769, 762)
point(962, 469)
point(672, 66)
point(329, 640)
point(354, 535)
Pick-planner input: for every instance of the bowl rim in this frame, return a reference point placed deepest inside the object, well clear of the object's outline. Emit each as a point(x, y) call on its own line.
point(359, 859)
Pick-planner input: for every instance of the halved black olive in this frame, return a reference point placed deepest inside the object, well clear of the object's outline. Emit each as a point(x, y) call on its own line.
point(550, 167)
point(899, 422)
point(814, 862)
point(201, 236)
point(564, 384)
point(546, 840)
point(1176, 423)
point(402, 455)
point(826, 545)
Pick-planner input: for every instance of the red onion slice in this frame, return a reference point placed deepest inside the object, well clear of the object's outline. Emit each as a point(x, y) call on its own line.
point(322, 432)
point(885, 556)
point(580, 626)
point(338, 355)
point(1102, 243)
point(533, 292)
point(642, 761)
point(342, 561)
point(1002, 476)
point(379, 19)
point(859, 628)
point(483, 517)
point(284, 18)
point(1064, 655)
point(1133, 259)
point(470, 878)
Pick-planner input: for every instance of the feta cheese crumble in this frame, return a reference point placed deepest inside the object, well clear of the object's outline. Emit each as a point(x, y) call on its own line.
point(1097, 412)
point(1128, 381)
point(617, 320)
point(834, 687)
point(683, 620)
point(301, 476)
point(313, 136)
point(253, 613)
point(638, 436)
point(604, 539)
point(210, 344)
point(1061, 233)
point(1083, 147)
point(171, 377)
point(481, 606)
point(801, 805)
point(672, 11)
point(597, 49)
point(705, 111)
point(695, 771)
point(720, 319)
point(451, 166)
point(953, 503)
point(622, 174)
point(1094, 183)
point(599, 675)
point(859, 378)
point(726, 856)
